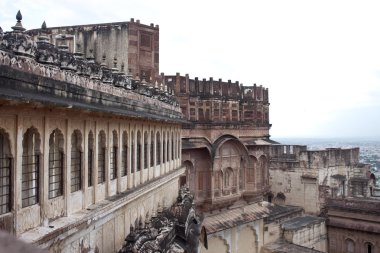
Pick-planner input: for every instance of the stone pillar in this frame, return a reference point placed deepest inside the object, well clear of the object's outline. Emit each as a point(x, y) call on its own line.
point(44, 172)
point(17, 179)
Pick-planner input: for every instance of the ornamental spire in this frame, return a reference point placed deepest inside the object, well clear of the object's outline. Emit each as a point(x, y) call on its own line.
point(18, 26)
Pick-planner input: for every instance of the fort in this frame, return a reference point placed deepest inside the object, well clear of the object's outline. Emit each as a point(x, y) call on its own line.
point(100, 152)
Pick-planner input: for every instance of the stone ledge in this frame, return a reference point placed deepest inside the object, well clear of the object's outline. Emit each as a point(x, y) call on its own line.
point(65, 226)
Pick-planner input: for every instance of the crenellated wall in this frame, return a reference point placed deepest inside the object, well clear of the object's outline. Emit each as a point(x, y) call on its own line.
point(220, 104)
point(307, 177)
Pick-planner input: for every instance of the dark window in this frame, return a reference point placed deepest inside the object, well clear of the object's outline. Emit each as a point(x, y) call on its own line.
point(164, 150)
point(113, 163)
point(90, 158)
point(152, 149)
point(145, 40)
point(90, 165)
point(5, 175)
point(101, 157)
point(158, 149)
point(145, 155)
point(133, 151)
point(124, 157)
point(30, 168)
point(138, 157)
point(55, 164)
point(76, 162)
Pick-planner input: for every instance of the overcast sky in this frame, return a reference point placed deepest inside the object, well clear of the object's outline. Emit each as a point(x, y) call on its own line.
point(319, 59)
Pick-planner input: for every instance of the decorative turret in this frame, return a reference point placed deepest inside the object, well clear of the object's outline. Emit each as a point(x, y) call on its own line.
point(46, 51)
point(17, 41)
point(18, 26)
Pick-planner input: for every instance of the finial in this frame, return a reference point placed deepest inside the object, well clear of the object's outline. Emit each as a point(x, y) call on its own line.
point(43, 26)
point(103, 64)
point(18, 25)
point(115, 62)
point(122, 67)
point(18, 16)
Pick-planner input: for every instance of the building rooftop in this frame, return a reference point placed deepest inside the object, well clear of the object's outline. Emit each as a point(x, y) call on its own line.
point(281, 246)
point(300, 222)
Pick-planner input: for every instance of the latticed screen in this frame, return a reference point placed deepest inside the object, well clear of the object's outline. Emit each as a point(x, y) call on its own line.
point(102, 165)
point(30, 169)
point(113, 163)
point(76, 170)
point(55, 173)
point(5, 184)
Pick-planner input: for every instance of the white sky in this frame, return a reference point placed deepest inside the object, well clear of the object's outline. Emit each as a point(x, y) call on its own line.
point(319, 59)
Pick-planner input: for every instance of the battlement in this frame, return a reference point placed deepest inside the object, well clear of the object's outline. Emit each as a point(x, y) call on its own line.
point(221, 103)
point(215, 88)
point(315, 158)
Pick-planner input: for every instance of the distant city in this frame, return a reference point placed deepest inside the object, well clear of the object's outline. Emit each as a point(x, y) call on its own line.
point(369, 148)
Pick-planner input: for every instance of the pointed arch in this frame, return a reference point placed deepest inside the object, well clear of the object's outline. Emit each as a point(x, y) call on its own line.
point(30, 167)
point(56, 163)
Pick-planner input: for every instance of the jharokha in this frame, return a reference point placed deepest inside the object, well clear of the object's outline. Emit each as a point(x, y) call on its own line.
point(100, 152)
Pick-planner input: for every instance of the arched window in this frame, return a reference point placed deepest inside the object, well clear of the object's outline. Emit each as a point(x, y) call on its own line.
point(90, 157)
point(158, 149)
point(101, 157)
point(76, 161)
point(30, 167)
point(56, 164)
point(5, 173)
point(350, 246)
point(151, 149)
point(113, 156)
point(369, 248)
point(138, 152)
point(145, 165)
point(124, 155)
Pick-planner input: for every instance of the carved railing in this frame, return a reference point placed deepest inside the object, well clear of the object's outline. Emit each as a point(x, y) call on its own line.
point(18, 49)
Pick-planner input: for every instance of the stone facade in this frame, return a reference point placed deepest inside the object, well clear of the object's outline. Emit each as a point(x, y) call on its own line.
point(306, 178)
point(353, 225)
point(86, 151)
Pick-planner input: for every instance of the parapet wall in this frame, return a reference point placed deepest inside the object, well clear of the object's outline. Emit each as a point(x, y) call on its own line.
point(40, 66)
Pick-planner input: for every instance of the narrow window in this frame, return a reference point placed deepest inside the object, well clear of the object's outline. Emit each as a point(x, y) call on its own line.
point(55, 164)
point(124, 155)
point(158, 149)
point(90, 158)
point(76, 161)
point(138, 152)
point(113, 156)
point(101, 157)
point(151, 149)
point(30, 167)
point(145, 165)
point(5, 174)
